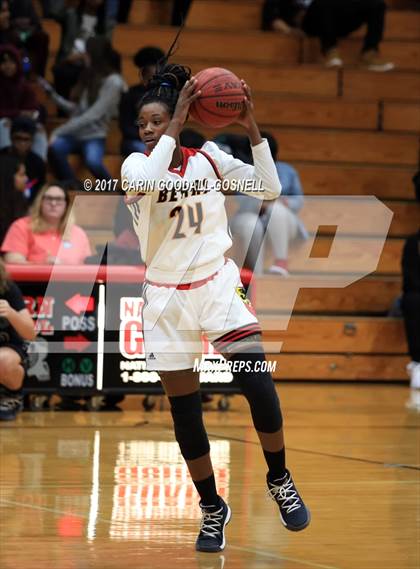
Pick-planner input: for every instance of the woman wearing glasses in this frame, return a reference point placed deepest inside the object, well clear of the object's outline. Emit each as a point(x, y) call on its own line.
point(48, 235)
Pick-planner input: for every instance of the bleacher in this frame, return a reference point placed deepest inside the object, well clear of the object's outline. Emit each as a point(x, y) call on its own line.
point(347, 131)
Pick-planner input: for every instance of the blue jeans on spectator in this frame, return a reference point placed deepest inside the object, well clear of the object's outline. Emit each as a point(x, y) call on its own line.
point(111, 16)
point(92, 152)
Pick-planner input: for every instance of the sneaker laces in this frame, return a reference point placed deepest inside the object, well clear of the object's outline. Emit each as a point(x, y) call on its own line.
point(286, 494)
point(211, 523)
point(9, 402)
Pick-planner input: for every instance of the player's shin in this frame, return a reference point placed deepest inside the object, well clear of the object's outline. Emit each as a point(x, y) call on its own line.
point(258, 388)
point(260, 392)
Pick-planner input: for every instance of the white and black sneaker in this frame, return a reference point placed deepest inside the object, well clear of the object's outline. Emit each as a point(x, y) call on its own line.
point(10, 407)
point(294, 515)
point(212, 530)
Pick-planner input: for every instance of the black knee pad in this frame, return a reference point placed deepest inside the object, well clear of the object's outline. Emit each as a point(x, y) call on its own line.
point(258, 388)
point(189, 427)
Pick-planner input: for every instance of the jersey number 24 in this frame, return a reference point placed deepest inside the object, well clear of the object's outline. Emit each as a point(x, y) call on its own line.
point(192, 215)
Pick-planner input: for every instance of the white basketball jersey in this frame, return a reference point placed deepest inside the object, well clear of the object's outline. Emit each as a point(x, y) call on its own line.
point(182, 224)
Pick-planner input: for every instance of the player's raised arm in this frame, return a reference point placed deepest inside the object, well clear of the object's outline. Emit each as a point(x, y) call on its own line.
point(264, 169)
point(247, 118)
point(263, 173)
point(141, 168)
point(187, 95)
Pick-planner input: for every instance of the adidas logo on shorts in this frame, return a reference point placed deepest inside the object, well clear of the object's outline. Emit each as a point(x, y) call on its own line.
point(151, 356)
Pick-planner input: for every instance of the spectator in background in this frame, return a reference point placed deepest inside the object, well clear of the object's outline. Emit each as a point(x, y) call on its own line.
point(124, 10)
point(235, 144)
point(48, 235)
point(411, 304)
point(13, 182)
point(94, 104)
point(17, 98)
point(21, 26)
point(330, 20)
point(278, 218)
point(180, 10)
point(191, 138)
point(112, 9)
point(16, 325)
point(79, 23)
point(65, 12)
point(6, 34)
point(22, 134)
point(145, 59)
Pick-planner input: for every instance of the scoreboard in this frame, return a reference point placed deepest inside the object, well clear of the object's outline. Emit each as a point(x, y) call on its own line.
point(90, 336)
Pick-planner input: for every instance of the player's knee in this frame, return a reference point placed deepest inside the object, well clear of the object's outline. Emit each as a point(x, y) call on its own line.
point(258, 388)
point(11, 372)
point(3, 365)
point(14, 380)
point(246, 224)
point(6, 364)
point(190, 433)
point(279, 211)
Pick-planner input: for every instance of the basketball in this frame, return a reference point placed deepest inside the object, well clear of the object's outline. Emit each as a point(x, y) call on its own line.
point(221, 99)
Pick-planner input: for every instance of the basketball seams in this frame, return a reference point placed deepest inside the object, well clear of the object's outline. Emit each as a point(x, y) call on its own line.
point(225, 96)
point(225, 72)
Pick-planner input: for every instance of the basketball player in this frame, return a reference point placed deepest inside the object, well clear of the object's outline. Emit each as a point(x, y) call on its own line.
point(16, 325)
point(191, 288)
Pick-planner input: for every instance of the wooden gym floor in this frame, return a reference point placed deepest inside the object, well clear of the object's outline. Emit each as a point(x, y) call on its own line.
point(110, 491)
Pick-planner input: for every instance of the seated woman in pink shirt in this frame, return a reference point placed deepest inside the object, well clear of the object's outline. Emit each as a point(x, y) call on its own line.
point(48, 235)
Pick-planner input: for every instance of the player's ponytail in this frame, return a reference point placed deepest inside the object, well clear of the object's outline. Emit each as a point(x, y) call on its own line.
point(165, 85)
point(167, 82)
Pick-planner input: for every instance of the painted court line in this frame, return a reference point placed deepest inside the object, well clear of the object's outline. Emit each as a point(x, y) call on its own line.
point(320, 483)
point(282, 557)
point(108, 522)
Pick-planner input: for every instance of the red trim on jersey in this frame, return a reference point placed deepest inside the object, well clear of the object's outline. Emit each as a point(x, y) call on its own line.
point(187, 286)
point(212, 162)
point(236, 335)
point(186, 155)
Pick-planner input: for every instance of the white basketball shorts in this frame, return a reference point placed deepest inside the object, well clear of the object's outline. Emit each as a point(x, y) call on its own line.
point(175, 319)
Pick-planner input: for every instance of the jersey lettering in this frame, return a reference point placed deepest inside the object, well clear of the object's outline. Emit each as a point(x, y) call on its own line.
point(185, 190)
